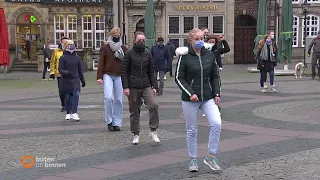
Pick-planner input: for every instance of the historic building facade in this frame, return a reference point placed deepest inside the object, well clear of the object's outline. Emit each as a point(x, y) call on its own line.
point(36, 22)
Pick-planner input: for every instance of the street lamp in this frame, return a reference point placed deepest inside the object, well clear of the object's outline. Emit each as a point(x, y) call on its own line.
point(305, 11)
point(123, 23)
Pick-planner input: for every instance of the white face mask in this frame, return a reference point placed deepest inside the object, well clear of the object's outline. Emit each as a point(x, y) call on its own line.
point(272, 36)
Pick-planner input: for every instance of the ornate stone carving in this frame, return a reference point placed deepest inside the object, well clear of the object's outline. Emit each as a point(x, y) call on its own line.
point(23, 9)
point(136, 18)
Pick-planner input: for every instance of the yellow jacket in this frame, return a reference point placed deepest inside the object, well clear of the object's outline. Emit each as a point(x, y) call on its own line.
point(54, 62)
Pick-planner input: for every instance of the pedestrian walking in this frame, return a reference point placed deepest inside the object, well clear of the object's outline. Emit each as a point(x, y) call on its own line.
point(71, 74)
point(162, 62)
point(109, 74)
point(315, 44)
point(139, 81)
point(275, 54)
point(266, 62)
point(198, 77)
point(54, 69)
point(171, 50)
point(46, 61)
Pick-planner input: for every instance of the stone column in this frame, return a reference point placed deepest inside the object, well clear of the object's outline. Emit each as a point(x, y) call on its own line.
point(229, 28)
point(79, 27)
point(49, 26)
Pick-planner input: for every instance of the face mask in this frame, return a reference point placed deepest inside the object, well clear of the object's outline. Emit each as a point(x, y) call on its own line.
point(199, 44)
point(272, 36)
point(140, 44)
point(268, 41)
point(115, 39)
point(71, 48)
point(205, 36)
point(160, 43)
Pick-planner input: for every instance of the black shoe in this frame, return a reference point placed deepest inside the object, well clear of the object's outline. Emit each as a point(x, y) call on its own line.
point(116, 128)
point(63, 109)
point(110, 127)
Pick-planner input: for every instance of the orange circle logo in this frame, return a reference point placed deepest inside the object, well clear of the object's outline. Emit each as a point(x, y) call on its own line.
point(27, 161)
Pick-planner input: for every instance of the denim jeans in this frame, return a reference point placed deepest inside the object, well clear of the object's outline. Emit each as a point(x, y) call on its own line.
point(212, 113)
point(72, 102)
point(263, 77)
point(112, 87)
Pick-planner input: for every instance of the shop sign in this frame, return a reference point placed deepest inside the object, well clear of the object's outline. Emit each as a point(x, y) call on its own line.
point(56, 1)
point(196, 8)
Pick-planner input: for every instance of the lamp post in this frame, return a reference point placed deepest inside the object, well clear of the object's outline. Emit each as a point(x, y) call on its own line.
point(123, 23)
point(305, 10)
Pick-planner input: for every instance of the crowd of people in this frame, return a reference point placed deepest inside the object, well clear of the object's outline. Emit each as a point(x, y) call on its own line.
point(133, 72)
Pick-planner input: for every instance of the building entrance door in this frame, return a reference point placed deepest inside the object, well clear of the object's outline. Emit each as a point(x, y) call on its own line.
point(28, 38)
point(245, 33)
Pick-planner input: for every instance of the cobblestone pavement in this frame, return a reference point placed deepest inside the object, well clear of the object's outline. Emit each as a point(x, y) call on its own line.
point(264, 136)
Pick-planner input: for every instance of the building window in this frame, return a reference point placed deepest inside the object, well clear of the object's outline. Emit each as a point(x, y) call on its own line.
point(175, 42)
point(203, 22)
point(295, 31)
point(312, 26)
point(59, 28)
point(295, 1)
point(313, 1)
point(87, 31)
point(72, 28)
point(174, 25)
point(99, 31)
point(217, 24)
point(188, 24)
point(185, 42)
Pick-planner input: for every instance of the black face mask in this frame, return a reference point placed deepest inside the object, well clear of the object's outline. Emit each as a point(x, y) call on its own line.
point(140, 44)
point(60, 46)
point(115, 39)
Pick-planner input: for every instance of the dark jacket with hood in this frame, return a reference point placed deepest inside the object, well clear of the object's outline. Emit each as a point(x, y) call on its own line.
point(137, 69)
point(70, 69)
point(198, 75)
point(171, 49)
point(161, 58)
point(218, 50)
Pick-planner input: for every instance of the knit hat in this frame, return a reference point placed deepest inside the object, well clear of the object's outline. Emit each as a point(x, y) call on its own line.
point(160, 39)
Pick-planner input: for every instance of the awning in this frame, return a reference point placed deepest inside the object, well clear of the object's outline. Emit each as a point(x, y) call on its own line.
point(4, 40)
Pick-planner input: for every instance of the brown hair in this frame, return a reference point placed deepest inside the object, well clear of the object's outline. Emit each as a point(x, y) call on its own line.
point(212, 36)
point(138, 33)
point(114, 31)
point(62, 38)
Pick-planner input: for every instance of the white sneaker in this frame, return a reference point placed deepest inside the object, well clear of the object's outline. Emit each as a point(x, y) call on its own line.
point(154, 136)
point(273, 89)
point(68, 116)
point(265, 85)
point(135, 140)
point(203, 115)
point(263, 90)
point(75, 116)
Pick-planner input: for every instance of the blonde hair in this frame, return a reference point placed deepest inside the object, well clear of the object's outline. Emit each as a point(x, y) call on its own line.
point(114, 31)
point(192, 32)
point(65, 44)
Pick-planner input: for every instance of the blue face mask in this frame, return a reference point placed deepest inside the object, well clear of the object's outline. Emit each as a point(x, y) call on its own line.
point(199, 44)
point(269, 41)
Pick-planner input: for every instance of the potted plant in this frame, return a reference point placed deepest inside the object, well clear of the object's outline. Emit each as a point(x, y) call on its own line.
point(12, 47)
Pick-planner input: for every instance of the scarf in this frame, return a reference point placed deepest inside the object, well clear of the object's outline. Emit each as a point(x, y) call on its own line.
point(264, 53)
point(116, 48)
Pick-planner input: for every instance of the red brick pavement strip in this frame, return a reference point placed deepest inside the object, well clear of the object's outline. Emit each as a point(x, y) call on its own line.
point(161, 159)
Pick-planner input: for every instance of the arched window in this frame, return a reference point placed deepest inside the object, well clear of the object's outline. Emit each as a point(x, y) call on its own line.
point(313, 23)
point(295, 31)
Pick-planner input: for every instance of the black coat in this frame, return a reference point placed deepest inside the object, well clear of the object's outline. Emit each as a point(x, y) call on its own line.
point(198, 75)
point(217, 50)
point(70, 69)
point(171, 49)
point(46, 54)
point(137, 69)
point(161, 58)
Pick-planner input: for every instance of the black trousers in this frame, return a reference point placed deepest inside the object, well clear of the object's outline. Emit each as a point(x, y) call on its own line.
point(45, 67)
point(62, 96)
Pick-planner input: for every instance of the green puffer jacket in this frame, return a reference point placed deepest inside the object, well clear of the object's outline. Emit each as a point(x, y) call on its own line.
point(197, 75)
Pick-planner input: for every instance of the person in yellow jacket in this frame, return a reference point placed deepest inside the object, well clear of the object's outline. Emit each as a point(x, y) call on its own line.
point(54, 69)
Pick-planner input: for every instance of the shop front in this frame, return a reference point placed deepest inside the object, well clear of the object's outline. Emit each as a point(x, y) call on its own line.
point(217, 16)
point(34, 23)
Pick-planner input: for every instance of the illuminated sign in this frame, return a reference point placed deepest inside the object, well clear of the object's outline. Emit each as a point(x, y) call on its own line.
point(30, 19)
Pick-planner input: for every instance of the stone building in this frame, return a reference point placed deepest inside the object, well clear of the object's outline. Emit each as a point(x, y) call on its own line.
point(32, 23)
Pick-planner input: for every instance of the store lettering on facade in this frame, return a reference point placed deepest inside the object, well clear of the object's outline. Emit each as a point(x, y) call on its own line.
point(195, 8)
